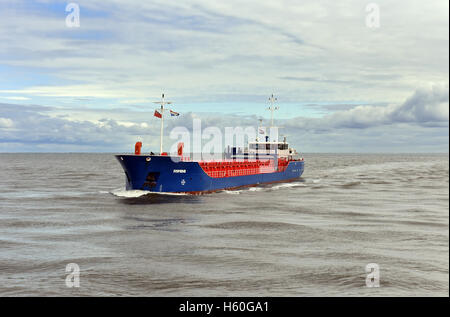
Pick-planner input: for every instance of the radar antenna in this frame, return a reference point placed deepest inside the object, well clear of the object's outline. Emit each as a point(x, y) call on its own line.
point(272, 108)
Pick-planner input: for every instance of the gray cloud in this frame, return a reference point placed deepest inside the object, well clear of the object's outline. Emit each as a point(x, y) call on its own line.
point(313, 79)
point(427, 107)
point(34, 128)
point(424, 117)
point(317, 53)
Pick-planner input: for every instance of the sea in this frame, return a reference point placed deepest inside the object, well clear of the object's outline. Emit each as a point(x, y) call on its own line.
point(352, 225)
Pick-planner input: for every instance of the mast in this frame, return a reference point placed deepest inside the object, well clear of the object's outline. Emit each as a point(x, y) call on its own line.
point(162, 103)
point(272, 108)
point(257, 132)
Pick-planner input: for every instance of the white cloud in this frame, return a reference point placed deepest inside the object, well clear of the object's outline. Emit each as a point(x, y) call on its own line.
point(128, 52)
point(134, 49)
point(418, 124)
point(16, 98)
point(6, 123)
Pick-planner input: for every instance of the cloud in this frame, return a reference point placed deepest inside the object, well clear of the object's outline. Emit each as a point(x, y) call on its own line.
point(420, 123)
point(16, 98)
point(319, 51)
point(427, 106)
point(6, 123)
point(318, 54)
point(35, 127)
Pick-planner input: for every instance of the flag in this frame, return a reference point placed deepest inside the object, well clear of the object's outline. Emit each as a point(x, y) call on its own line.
point(173, 113)
point(157, 114)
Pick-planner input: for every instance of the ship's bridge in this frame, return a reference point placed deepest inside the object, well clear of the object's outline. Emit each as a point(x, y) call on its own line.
point(282, 149)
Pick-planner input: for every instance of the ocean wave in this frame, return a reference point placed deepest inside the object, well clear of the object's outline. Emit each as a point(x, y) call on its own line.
point(232, 192)
point(287, 185)
point(255, 189)
point(128, 193)
point(350, 184)
point(135, 193)
point(263, 187)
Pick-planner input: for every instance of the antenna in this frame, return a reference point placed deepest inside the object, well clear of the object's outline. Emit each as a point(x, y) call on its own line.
point(272, 108)
point(259, 127)
point(162, 103)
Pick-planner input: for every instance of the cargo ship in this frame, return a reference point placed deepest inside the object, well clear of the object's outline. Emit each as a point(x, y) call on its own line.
point(260, 162)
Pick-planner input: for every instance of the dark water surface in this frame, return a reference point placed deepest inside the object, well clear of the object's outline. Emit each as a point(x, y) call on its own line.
point(312, 237)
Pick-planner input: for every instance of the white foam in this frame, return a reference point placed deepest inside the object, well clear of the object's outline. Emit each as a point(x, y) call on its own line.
point(134, 193)
point(232, 192)
point(129, 193)
point(289, 185)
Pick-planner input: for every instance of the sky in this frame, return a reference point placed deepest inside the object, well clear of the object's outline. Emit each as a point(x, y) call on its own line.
point(343, 84)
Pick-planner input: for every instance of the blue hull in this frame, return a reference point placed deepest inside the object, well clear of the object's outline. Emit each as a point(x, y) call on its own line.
point(169, 174)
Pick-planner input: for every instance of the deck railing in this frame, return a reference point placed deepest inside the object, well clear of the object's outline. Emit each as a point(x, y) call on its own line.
point(240, 172)
point(219, 169)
